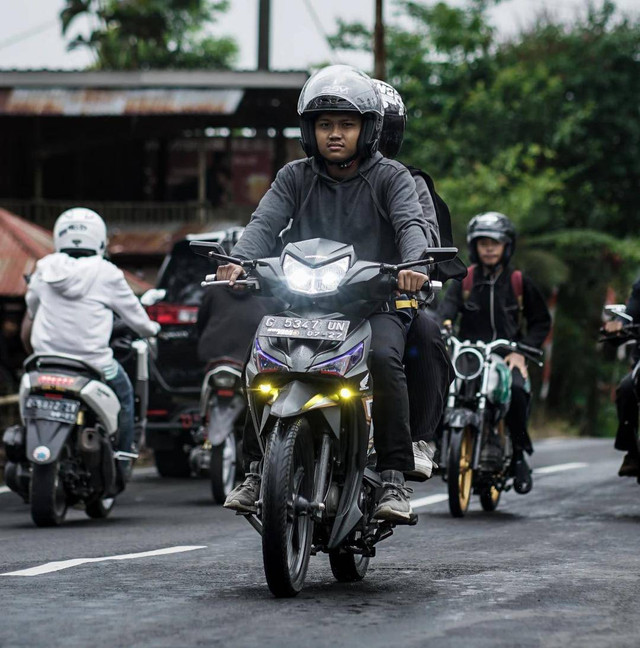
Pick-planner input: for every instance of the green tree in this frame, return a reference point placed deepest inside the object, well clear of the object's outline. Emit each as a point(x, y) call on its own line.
point(150, 34)
point(545, 128)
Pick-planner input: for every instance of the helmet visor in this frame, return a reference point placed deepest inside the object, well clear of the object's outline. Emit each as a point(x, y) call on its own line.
point(339, 88)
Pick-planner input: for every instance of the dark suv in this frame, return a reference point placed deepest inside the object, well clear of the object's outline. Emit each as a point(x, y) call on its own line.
point(176, 373)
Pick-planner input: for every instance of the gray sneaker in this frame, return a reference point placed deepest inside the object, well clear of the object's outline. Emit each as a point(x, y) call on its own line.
point(394, 505)
point(423, 452)
point(243, 498)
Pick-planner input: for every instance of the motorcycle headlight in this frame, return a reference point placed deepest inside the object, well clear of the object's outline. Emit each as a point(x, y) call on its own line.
point(314, 281)
point(267, 363)
point(341, 365)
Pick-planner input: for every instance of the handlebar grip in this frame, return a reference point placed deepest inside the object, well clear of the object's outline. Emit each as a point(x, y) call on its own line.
point(529, 349)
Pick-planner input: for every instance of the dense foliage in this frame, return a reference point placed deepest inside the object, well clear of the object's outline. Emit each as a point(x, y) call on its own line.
point(544, 127)
point(150, 34)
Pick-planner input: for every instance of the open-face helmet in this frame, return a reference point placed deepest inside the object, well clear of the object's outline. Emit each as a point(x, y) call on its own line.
point(341, 88)
point(80, 231)
point(493, 225)
point(394, 121)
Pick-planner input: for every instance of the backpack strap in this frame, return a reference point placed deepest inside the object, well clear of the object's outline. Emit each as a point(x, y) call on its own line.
point(516, 286)
point(467, 283)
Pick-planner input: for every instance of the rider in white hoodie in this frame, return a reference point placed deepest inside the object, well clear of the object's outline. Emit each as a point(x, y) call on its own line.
point(71, 300)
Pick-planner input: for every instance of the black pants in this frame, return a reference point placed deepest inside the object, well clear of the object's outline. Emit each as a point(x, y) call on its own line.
point(392, 433)
point(518, 413)
point(429, 374)
point(627, 405)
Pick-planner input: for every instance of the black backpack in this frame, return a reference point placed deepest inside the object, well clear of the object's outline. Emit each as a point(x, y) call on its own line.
point(453, 269)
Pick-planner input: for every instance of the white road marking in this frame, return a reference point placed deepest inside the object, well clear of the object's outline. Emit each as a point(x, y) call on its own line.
point(74, 562)
point(547, 470)
point(421, 502)
point(4, 489)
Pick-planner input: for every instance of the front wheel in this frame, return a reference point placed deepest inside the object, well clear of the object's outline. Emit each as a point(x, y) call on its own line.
point(224, 459)
point(287, 528)
point(348, 567)
point(489, 498)
point(48, 498)
point(459, 471)
point(172, 463)
point(100, 508)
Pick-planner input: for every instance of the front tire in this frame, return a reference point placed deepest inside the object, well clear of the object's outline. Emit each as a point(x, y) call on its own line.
point(348, 567)
point(100, 508)
point(489, 498)
point(48, 497)
point(172, 463)
point(459, 471)
point(224, 459)
point(287, 531)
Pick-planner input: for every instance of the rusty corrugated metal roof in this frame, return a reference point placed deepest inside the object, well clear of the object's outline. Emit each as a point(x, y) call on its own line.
point(117, 102)
point(21, 244)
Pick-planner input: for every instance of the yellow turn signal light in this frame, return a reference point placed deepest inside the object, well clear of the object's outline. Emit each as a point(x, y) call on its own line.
point(265, 388)
point(345, 393)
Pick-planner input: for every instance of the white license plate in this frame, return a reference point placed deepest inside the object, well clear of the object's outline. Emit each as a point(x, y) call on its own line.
point(297, 327)
point(63, 410)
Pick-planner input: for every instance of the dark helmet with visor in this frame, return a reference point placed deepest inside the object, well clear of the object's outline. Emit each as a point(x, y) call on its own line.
point(493, 225)
point(341, 88)
point(394, 122)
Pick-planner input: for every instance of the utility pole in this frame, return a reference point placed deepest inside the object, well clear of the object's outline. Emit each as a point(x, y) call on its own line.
point(264, 34)
point(379, 53)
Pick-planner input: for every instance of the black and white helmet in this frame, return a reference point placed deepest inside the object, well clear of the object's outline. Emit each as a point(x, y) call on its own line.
point(341, 88)
point(493, 225)
point(394, 122)
point(80, 230)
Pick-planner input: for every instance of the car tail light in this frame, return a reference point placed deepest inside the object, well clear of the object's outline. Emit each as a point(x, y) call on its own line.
point(173, 314)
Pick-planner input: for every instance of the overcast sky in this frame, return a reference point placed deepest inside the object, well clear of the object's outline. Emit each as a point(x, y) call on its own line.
point(30, 29)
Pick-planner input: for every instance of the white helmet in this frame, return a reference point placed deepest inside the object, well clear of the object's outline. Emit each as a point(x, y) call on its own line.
point(80, 228)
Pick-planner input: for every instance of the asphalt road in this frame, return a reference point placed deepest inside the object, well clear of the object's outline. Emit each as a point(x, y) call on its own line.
point(558, 567)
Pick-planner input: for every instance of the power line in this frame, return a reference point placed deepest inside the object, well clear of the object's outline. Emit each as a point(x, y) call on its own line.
point(318, 25)
point(34, 31)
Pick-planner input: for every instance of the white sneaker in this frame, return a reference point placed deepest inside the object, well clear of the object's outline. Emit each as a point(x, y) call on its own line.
point(423, 453)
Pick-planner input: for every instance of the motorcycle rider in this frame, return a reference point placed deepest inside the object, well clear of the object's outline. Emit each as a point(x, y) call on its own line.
point(427, 364)
point(348, 192)
point(492, 311)
point(627, 396)
point(71, 299)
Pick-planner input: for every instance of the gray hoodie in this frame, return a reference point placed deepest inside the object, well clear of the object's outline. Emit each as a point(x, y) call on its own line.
point(72, 302)
point(377, 211)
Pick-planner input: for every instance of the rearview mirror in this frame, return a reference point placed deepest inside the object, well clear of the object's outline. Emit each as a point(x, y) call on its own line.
point(618, 310)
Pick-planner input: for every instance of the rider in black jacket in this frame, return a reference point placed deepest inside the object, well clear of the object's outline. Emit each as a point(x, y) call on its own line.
point(492, 311)
point(627, 396)
point(347, 192)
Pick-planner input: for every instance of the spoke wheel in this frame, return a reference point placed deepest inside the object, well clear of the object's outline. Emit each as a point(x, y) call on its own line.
point(172, 463)
point(287, 529)
point(459, 471)
point(222, 469)
point(489, 498)
point(48, 497)
point(348, 567)
point(100, 507)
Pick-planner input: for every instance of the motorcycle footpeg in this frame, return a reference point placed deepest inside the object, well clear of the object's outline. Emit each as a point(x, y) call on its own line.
point(413, 519)
point(120, 455)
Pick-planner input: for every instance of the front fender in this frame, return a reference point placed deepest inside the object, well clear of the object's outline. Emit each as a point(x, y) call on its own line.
point(460, 418)
point(297, 398)
point(45, 440)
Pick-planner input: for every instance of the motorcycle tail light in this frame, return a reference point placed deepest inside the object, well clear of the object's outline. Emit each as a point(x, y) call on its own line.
point(173, 314)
